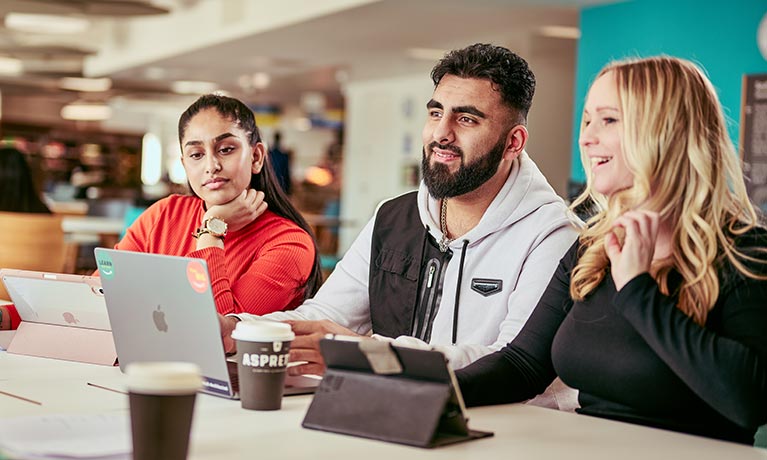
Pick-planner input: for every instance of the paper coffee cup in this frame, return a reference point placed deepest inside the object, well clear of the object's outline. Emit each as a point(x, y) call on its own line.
point(163, 378)
point(263, 351)
point(162, 396)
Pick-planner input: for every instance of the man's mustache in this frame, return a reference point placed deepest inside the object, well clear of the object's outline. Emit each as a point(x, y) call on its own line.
point(453, 148)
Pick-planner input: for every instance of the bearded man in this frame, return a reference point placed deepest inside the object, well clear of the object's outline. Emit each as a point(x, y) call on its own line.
point(459, 265)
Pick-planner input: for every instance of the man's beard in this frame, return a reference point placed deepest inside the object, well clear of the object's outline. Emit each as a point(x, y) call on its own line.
point(444, 184)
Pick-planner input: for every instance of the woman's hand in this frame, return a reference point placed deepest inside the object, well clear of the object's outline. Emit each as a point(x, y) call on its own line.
point(635, 255)
point(240, 211)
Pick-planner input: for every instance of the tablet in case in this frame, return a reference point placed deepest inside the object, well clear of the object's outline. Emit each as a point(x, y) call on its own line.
point(63, 316)
point(403, 395)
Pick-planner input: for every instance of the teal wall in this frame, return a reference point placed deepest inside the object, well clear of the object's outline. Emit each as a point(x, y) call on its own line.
point(719, 35)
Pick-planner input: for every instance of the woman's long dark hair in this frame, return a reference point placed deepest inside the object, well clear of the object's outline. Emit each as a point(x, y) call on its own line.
point(17, 189)
point(265, 181)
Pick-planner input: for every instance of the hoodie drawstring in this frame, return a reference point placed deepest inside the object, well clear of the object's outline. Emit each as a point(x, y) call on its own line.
point(458, 290)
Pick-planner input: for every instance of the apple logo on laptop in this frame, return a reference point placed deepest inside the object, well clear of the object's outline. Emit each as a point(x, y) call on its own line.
point(159, 320)
point(69, 318)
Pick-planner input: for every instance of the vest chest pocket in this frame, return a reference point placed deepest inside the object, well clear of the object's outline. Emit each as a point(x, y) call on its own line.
point(392, 290)
point(398, 263)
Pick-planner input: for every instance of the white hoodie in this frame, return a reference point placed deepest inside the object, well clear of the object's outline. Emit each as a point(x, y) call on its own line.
point(520, 239)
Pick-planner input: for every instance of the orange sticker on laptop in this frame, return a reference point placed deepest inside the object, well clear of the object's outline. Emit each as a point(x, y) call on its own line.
point(197, 276)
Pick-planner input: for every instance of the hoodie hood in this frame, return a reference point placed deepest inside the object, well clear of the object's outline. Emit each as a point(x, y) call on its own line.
point(525, 190)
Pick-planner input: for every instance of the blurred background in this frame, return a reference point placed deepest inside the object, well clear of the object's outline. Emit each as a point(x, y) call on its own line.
point(91, 90)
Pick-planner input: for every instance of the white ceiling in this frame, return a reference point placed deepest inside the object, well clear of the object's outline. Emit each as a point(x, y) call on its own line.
point(353, 39)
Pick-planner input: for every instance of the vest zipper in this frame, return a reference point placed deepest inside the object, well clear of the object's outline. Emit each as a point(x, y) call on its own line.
point(432, 269)
point(430, 298)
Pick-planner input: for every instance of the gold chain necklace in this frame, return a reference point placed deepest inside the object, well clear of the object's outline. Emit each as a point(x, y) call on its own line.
point(445, 241)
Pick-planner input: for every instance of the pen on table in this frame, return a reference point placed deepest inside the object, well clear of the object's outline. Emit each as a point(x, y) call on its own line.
point(106, 388)
point(21, 398)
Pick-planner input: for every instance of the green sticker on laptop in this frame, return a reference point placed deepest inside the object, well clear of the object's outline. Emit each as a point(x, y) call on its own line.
point(105, 265)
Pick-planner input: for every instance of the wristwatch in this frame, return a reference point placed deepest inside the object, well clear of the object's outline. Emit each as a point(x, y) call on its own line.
point(214, 226)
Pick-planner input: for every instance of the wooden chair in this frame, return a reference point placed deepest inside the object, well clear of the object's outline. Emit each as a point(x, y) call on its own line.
point(31, 242)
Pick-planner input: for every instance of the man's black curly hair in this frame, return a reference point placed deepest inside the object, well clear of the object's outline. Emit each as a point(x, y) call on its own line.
point(508, 72)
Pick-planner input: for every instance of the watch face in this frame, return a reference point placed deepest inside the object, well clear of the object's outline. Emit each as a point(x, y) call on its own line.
point(217, 226)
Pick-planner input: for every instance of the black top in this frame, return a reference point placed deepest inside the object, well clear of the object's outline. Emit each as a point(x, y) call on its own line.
point(635, 357)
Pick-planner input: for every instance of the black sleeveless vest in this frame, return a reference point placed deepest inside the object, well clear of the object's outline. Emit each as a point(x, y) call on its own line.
point(400, 246)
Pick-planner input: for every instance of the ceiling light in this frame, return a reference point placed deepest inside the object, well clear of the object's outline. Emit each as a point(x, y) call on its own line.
point(46, 23)
point(571, 33)
point(83, 111)
point(85, 84)
point(193, 87)
point(302, 124)
point(313, 102)
point(428, 54)
point(10, 66)
point(258, 80)
point(244, 81)
point(261, 80)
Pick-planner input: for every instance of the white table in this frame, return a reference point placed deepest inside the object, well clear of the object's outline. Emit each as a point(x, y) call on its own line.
point(92, 224)
point(222, 430)
point(71, 208)
point(89, 230)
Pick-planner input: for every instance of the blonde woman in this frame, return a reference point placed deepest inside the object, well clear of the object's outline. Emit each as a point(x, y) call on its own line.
point(657, 314)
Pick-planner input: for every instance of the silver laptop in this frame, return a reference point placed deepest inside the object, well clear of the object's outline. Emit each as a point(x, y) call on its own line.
point(56, 298)
point(162, 309)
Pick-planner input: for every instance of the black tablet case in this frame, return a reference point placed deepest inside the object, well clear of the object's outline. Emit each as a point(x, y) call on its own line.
point(375, 390)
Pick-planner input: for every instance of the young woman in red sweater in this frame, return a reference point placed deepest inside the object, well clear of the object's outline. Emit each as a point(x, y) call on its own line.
point(267, 260)
point(260, 251)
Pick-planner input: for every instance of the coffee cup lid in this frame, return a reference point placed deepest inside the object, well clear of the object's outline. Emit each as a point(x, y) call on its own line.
point(262, 331)
point(163, 377)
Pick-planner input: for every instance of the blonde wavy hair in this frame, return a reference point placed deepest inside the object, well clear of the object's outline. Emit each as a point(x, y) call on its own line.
point(675, 142)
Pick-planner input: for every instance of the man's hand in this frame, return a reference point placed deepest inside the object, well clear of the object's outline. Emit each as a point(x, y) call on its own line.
point(306, 345)
point(635, 255)
point(227, 324)
point(240, 211)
